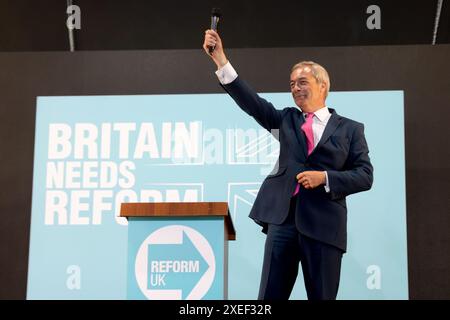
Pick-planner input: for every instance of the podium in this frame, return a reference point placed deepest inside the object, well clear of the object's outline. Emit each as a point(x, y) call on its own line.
point(178, 250)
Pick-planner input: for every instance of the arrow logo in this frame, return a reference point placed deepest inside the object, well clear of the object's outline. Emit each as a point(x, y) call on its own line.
point(172, 266)
point(175, 262)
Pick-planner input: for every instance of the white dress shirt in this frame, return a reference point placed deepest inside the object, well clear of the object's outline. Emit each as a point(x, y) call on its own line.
point(227, 74)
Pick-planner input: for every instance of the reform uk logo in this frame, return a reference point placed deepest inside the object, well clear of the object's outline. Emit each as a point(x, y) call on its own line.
point(175, 263)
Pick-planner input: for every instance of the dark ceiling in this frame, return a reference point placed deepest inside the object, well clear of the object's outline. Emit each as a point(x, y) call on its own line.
point(157, 24)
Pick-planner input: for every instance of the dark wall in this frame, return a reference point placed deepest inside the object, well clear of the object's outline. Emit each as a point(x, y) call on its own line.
point(161, 24)
point(421, 71)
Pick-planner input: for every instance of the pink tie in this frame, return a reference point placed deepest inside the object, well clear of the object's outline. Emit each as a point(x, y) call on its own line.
point(307, 129)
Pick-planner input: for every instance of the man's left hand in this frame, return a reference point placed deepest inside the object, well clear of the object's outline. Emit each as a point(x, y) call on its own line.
point(311, 179)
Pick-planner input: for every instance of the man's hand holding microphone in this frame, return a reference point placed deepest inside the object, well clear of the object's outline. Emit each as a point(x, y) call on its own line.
point(212, 43)
point(212, 40)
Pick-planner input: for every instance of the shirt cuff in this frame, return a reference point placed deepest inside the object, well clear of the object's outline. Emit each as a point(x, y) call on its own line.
point(327, 185)
point(226, 74)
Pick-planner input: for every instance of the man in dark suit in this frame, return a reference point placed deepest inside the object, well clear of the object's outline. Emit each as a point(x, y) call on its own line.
point(323, 158)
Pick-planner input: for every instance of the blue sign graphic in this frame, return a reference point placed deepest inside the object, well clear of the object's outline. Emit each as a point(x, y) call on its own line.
point(94, 152)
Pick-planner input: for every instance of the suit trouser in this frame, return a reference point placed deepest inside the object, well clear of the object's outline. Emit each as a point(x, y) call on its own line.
point(285, 247)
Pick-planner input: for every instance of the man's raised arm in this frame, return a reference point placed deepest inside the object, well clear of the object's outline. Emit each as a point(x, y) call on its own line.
point(247, 99)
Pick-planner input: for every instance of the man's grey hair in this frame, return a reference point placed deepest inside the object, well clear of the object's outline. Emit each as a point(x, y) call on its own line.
point(317, 71)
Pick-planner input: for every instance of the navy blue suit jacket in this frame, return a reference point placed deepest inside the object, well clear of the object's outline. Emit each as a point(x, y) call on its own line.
point(342, 152)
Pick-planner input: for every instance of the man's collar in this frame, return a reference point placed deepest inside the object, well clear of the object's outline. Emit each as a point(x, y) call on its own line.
point(321, 114)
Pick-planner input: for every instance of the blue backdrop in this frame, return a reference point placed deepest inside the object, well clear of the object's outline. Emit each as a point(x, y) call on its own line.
point(94, 152)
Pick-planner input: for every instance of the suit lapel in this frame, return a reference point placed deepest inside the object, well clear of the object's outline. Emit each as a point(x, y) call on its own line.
point(331, 127)
point(299, 143)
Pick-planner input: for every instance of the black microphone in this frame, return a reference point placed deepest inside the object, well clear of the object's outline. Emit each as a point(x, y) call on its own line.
point(215, 16)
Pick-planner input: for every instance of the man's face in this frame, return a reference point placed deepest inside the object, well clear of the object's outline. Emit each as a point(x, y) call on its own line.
point(308, 94)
